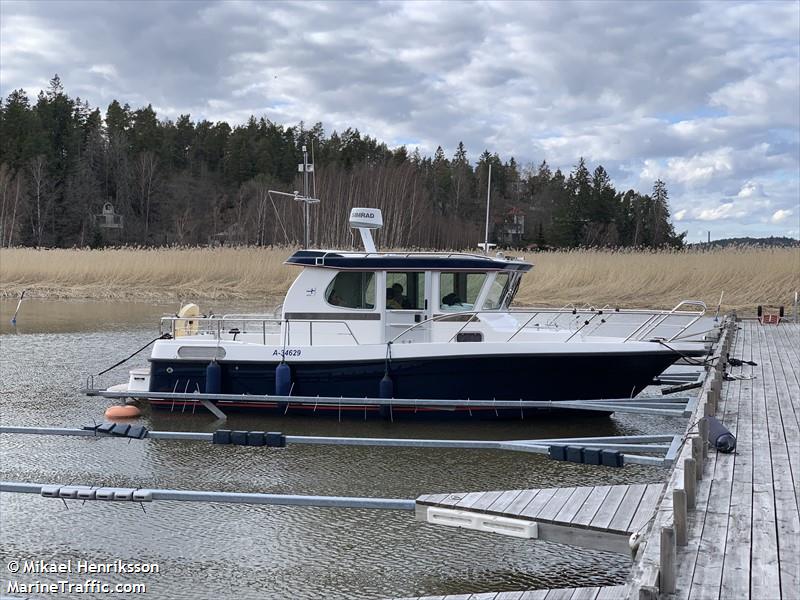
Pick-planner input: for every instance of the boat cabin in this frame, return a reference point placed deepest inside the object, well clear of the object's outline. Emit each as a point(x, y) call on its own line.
point(382, 297)
point(356, 298)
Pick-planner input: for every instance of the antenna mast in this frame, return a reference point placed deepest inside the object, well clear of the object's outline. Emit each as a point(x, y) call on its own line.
point(305, 167)
point(305, 194)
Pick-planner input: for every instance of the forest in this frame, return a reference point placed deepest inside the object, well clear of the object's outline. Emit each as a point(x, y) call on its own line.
point(188, 182)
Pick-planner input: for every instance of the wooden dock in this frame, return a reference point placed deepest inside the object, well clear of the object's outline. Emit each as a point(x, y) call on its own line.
point(601, 517)
point(741, 539)
point(613, 592)
point(723, 525)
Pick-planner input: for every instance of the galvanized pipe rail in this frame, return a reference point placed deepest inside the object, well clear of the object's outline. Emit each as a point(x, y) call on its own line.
point(673, 406)
point(623, 444)
point(103, 493)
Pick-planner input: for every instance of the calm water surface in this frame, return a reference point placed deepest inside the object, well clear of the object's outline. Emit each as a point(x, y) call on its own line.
point(227, 551)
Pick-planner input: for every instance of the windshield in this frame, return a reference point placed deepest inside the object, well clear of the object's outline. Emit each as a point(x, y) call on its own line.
point(497, 291)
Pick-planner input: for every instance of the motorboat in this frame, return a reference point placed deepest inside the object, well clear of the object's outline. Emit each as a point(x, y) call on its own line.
point(414, 331)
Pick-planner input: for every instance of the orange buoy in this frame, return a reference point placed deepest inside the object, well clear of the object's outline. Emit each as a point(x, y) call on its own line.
point(123, 412)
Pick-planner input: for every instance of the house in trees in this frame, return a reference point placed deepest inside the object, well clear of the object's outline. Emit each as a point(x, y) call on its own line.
point(108, 219)
point(511, 230)
point(232, 235)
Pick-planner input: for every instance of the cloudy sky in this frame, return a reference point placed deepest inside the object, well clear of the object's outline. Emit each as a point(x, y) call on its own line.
point(705, 96)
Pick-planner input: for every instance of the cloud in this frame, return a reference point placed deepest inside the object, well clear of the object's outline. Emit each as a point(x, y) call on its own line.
point(780, 215)
point(703, 95)
point(725, 210)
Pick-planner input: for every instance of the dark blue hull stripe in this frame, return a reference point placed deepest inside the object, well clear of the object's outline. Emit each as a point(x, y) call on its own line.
point(544, 377)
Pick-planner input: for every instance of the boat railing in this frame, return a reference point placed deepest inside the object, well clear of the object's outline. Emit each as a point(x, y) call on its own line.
point(628, 324)
point(235, 325)
point(588, 321)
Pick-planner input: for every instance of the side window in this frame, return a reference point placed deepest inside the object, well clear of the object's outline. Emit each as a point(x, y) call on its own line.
point(458, 291)
point(497, 292)
point(352, 289)
point(405, 291)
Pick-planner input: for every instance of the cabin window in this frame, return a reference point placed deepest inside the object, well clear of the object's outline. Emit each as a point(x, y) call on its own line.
point(405, 291)
point(459, 291)
point(497, 292)
point(352, 289)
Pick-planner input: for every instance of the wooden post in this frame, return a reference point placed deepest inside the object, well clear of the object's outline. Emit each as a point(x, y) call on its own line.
point(689, 481)
point(666, 578)
point(648, 592)
point(697, 455)
point(708, 408)
point(704, 437)
point(679, 509)
point(710, 401)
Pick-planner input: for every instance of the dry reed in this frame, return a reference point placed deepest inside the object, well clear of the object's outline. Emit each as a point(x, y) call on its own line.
point(748, 276)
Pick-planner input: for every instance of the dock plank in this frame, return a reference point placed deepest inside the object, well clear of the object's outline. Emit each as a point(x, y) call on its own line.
point(609, 507)
point(585, 593)
point(432, 498)
point(469, 499)
point(560, 594)
point(592, 505)
point(556, 503)
point(537, 503)
point(535, 595)
point(736, 561)
point(627, 508)
point(611, 592)
point(486, 500)
point(519, 503)
point(764, 572)
point(504, 501)
point(576, 501)
point(647, 507)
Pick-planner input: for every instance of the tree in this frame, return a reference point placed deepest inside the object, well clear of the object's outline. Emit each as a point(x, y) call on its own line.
point(146, 171)
point(462, 177)
point(194, 181)
point(41, 196)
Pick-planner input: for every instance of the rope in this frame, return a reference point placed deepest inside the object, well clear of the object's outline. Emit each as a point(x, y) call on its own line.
point(689, 359)
point(165, 336)
point(388, 359)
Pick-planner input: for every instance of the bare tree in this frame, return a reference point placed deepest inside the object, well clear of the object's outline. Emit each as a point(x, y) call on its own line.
point(145, 174)
point(40, 189)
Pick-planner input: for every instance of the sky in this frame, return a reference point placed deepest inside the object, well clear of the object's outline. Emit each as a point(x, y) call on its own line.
point(703, 95)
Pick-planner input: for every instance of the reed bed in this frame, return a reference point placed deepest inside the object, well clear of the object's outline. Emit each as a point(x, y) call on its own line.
point(624, 278)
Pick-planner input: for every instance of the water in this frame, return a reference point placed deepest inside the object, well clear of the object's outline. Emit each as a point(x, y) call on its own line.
point(216, 550)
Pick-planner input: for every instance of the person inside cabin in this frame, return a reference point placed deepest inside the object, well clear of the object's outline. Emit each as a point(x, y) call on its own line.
point(399, 296)
point(334, 298)
point(394, 297)
point(451, 299)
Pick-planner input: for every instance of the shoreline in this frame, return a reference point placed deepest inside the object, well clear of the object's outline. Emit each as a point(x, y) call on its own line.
point(603, 278)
